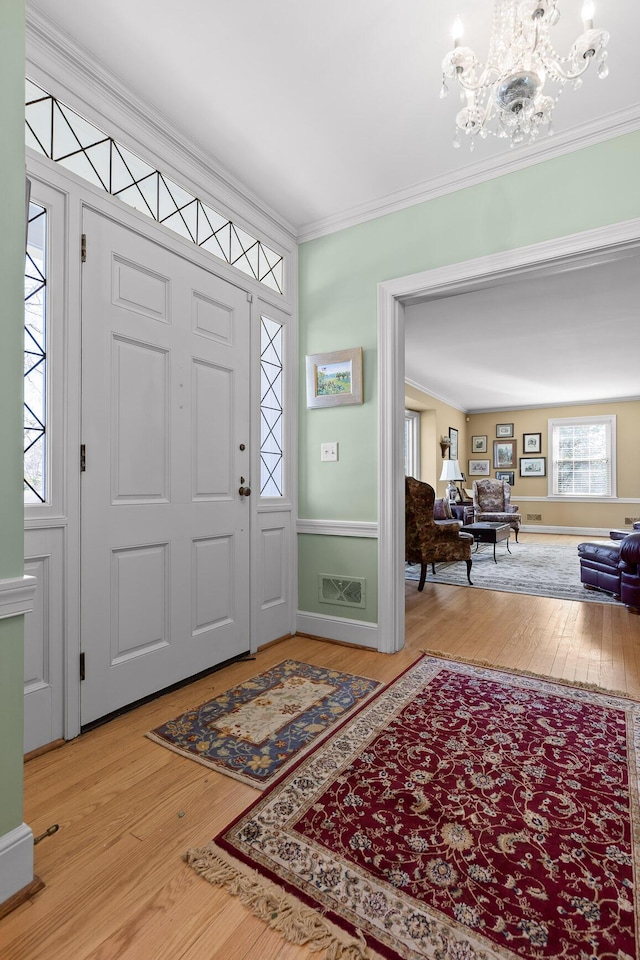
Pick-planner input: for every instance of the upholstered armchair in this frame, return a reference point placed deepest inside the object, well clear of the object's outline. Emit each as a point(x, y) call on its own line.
point(428, 541)
point(492, 504)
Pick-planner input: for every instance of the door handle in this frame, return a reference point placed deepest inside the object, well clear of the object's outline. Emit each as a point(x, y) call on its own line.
point(245, 491)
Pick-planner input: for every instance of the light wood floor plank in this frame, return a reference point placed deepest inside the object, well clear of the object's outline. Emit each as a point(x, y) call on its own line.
point(116, 885)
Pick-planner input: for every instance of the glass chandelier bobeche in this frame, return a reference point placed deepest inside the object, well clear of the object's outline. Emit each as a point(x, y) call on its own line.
point(510, 95)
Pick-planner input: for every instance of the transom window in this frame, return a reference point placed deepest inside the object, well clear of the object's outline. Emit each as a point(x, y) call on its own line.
point(59, 133)
point(35, 357)
point(271, 409)
point(582, 457)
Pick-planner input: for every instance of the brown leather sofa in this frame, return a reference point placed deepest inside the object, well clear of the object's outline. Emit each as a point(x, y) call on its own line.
point(606, 565)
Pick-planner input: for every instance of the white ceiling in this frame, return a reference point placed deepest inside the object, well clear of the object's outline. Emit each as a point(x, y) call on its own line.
point(567, 338)
point(324, 108)
point(329, 112)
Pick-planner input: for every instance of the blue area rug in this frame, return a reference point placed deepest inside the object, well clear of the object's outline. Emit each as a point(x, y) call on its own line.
point(257, 729)
point(538, 569)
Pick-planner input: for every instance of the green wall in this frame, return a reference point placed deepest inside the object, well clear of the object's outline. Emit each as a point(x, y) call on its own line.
point(11, 323)
point(338, 274)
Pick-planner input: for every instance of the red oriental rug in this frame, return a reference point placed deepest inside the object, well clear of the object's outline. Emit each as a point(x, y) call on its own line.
point(464, 813)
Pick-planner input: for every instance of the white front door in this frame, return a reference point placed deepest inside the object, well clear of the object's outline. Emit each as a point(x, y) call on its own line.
point(165, 424)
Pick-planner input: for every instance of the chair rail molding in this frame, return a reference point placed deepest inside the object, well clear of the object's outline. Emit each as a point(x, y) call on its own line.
point(16, 596)
point(545, 258)
point(338, 528)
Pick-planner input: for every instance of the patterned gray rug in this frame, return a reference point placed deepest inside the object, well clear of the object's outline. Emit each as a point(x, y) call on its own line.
point(538, 569)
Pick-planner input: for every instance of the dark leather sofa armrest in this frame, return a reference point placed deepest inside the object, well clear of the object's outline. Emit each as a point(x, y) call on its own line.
point(630, 550)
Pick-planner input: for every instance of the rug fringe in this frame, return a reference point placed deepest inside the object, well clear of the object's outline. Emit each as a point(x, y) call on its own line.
point(580, 684)
point(283, 912)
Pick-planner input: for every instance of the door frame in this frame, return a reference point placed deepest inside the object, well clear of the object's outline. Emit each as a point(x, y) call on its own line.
point(79, 194)
point(552, 256)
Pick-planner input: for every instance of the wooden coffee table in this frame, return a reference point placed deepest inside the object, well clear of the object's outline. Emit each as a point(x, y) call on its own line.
point(487, 532)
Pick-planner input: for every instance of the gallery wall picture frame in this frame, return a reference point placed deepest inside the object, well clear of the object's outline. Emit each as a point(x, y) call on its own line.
point(479, 468)
point(508, 475)
point(453, 449)
point(504, 430)
point(531, 443)
point(504, 454)
point(478, 444)
point(533, 466)
point(334, 378)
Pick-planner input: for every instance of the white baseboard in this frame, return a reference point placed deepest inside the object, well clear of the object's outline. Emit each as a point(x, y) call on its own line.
point(570, 531)
point(358, 632)
point(16, 861)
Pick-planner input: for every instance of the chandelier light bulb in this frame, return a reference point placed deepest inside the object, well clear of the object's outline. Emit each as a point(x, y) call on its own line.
point(513, 93)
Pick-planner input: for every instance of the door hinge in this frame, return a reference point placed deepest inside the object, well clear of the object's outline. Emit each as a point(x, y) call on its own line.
point(83, 458)
point(82, 666)
point(83, 248)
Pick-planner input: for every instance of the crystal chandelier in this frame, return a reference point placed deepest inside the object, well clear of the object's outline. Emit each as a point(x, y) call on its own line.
point(510, 95)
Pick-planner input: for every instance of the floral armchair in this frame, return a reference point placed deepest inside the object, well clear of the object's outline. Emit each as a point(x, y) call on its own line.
point(492, 504)
point(428, 541)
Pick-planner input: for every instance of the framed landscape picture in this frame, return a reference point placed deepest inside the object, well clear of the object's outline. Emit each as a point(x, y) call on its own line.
point(532, 443)
point(533, 466)
point(508, 475)
point(504, 430)
point(504, 454)
point(478, 468)
point(453, 449)
point(478, 444)
point(334, 378)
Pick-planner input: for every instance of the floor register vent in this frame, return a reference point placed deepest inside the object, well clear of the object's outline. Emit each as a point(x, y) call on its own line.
point(347, 591)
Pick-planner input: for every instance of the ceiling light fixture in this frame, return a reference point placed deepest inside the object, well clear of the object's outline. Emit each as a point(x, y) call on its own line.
point(509, 96)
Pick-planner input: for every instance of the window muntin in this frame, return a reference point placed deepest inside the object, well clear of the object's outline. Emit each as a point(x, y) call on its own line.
point(271, 408)
point(35, 358)
point(582, 457)
point(59, 133)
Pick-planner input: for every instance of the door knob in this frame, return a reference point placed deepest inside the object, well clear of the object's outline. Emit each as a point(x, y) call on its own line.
point(245, 491)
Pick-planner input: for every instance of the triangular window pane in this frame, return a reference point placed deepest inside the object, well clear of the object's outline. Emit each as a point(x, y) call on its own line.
point(121, 176)
point(65, 141)
point(166, 203)
point(134, 198)
point(223, 237)
point(100, 157)
point(33, 92)
point(216, 220)
point(38, 116)
point(180, 197)
point(149, 189)
point(214, 247)
point(139, 169)
point(86, 133)
point(190, 215)
point(78, 163)
point(177, 224)
point(30, 140)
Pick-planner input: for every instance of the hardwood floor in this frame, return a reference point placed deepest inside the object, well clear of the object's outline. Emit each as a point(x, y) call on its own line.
point(116, 886)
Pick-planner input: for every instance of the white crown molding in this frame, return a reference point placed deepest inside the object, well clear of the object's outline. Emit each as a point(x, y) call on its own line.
point(66, 70)
point(586, 135)
point(338, 528)
point(430, 393)
point(17, 596)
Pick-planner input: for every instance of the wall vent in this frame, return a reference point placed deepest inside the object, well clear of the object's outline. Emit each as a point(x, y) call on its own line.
point(347, 591)
point(534, 517)
point(630, 520)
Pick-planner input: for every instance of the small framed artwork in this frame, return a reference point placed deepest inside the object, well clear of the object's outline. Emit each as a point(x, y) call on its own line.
point(532, 443)
point(453, 449)
point(533, 466)
point(504, 430)
point(478, 444)
point(504, 454)
point(478, 468)
point(334, 378)
point(508, 475)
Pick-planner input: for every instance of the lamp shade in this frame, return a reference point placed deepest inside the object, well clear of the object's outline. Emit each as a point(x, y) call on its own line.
point(450, 470)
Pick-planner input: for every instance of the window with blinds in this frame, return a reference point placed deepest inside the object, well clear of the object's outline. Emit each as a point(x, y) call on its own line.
point(583, 456)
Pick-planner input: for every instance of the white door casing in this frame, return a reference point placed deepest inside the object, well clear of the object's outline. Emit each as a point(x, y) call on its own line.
point(165, 412)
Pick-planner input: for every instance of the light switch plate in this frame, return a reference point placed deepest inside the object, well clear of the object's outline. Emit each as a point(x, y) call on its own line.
point(328, 452)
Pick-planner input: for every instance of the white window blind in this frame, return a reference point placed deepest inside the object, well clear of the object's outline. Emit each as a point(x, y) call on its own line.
point(582, 456)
